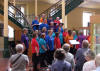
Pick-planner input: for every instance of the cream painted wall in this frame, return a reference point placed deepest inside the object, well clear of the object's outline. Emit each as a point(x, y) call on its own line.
point(75, 17)
point(30, 7)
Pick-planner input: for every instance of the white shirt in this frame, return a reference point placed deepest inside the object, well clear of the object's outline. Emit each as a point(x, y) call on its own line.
point(89, 66)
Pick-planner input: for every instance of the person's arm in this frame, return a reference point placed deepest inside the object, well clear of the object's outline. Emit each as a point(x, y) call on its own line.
point(27, 61)
point(43, 48)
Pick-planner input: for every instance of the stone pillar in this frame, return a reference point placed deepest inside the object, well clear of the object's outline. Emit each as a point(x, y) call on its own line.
point(63, 12)
point(6, 50)
point(66, 21)
point(35, 7)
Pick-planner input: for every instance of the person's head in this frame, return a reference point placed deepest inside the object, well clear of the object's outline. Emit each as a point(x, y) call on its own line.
point(57, 18)
point(66, 47)
point(36, 31)
point(85, 44)
point(81, 32)
point(70, 32)
point(51, 23)
point(97, 60)
point(45, 21)
point(19, 48)
point(34, 35)
point(89, 55)
point(74, 33)
point(59, 54)
point(36, 17)
point(43, 35)
point(50, 32)
point(65, 30)
point(44, 29)
point(43, 15)
point(57, 34)
point(50, 18)
point(25, 30)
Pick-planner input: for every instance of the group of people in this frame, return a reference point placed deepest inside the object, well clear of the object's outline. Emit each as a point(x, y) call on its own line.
point(51, 45)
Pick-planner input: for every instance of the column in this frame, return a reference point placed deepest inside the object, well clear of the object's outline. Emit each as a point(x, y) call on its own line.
point(66, 21)
point(14, 2)
point(6, 51)
point(63, 12)
point(35, 7)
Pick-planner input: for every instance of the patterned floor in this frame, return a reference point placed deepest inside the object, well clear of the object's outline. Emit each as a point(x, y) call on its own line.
point(4, 65)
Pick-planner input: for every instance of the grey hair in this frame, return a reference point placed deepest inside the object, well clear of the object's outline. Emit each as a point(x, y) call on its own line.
point(25, 29)
point(85, 44)
point(97, 60)
point(19, 48)
point(89, 53)
point(66, 47)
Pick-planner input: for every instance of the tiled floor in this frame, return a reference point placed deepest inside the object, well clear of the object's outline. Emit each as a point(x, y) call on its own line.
point(3, 64)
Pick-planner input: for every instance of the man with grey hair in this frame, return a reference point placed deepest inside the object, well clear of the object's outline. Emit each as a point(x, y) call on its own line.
point(90, 64)
point(25, 40)
point(19, 61)
point(69, 57)
point(79, 57)
point(97, 61)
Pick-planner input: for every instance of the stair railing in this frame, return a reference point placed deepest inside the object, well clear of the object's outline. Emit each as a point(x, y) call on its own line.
point(54, 8)
point(17, 15)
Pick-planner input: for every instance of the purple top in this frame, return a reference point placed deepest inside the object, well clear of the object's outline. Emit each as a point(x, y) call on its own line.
point(80, 39)
point(25, 40)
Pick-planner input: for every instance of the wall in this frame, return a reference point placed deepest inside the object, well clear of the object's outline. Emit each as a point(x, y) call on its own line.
point(75, 17)
point(30, 7)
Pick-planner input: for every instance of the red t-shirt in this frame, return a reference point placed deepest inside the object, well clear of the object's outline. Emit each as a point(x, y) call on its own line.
point(58, 22)
point(34, 45)
point(57, 42)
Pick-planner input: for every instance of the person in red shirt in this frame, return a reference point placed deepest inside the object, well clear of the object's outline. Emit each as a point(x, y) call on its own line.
point(57, 43)
point(35, 53)
point(57, 22)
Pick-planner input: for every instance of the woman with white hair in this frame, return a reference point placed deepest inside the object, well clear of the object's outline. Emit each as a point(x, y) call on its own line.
point(90, 64)
point(97, 62)
point(19, 61)
point(69, 57)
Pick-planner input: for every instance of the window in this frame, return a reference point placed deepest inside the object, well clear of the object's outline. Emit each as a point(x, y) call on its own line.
point(10, 32)
point(86, 20)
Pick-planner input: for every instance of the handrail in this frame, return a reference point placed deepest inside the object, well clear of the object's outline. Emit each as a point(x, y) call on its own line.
point(50, 7)
point(20, 17)
point(54, 8)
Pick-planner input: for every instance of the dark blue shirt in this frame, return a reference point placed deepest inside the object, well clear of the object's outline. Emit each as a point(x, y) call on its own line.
point(48, 21)
point(61, 65)
point(43, 25)
point(50, 42)
point(35, 22)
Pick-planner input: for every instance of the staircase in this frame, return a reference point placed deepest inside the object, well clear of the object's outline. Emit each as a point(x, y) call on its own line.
point(16, 16)
point(56, 9)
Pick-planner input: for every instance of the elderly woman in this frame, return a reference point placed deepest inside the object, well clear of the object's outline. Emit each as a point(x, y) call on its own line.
point(80, 58)
point(69, 57)
point(19, 61)
point(90, 64)
point(97, 62)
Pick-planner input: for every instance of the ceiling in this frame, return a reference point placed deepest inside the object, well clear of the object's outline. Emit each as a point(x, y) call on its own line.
point(46, 1)
point(91, 4)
